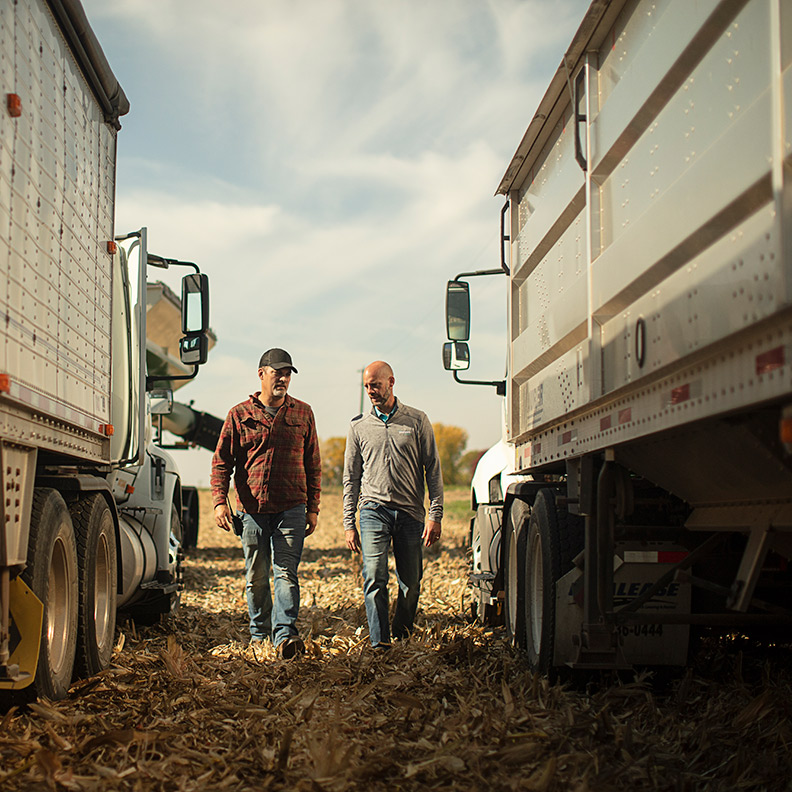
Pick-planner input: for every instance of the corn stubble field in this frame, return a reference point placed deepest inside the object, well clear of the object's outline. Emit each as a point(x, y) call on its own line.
point(186, 705)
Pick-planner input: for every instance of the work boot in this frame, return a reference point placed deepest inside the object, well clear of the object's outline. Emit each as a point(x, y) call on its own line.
point(291, 647)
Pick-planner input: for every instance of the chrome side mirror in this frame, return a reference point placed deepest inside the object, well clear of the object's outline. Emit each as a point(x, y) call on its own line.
point(161, 401)
point(195, 303)
point(456, 356)
point(458, 311)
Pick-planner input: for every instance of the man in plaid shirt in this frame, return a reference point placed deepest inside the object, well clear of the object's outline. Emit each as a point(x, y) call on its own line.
point(269, 442)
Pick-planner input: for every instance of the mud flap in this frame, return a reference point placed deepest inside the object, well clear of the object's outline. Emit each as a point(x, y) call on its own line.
point(27, 615)
point(642, 644)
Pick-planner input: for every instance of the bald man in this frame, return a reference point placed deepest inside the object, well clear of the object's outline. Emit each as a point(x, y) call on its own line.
point(390, 451)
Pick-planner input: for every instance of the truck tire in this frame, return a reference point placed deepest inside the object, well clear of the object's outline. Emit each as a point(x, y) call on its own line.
point(513, 576)
point(52, 575)
point(554, 538)
point(485, 555)
point(96, 558)
point(176, 530)
point(190, 515)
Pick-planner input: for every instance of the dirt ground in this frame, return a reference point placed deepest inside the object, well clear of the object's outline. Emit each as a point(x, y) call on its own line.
point(187, 705)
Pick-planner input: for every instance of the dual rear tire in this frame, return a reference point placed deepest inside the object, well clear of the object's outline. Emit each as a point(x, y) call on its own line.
point(71, 568)
point(51, 573)
point(96, 545)
point(541, 543)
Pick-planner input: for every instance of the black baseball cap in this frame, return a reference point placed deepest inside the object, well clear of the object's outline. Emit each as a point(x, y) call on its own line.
point(277, 359)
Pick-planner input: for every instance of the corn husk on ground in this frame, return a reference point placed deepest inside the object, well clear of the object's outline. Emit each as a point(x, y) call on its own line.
point(187, 705)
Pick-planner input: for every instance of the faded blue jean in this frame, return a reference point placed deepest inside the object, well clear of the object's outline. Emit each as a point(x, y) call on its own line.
point(276, 541)
point(379, 526)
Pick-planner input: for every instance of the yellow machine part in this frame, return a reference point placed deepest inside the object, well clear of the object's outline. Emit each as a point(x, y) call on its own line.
point(27, 612)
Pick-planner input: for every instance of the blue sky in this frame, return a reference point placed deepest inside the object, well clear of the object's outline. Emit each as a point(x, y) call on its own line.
point(330, 164)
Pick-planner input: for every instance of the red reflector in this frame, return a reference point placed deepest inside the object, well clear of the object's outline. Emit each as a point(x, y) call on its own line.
point(566, 438)
point(671, 556)
point(680, 394)
point(129, 489)
point(605, 423)
point(785, 429)
point(5, 383)
point(769, 361)
point(625, 416)
point(14, 104)
point(107, 429)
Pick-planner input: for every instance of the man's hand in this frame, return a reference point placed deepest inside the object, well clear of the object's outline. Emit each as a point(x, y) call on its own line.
point(431, 533)
point(311, 518)
point(352, 539)
point(223, 516)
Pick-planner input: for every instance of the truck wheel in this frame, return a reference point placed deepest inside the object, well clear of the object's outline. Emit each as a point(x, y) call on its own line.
point(485, 557)
point(96, 545)
point(554, 538)
point(51, 573)
point(176, 531)
point(513, 577)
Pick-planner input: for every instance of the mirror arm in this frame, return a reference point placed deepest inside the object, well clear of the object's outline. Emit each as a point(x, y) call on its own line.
point(150, 380)
point(499, 385)
point(479, 272)
point(164, 263)
point(504, 238)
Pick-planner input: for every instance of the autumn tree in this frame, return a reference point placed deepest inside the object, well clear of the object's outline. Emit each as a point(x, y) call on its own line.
point(451, 442)
point(333, 460)
point(467, 465)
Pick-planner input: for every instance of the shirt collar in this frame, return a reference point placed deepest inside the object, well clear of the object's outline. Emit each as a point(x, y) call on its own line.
point(254, 397)
point(384, 416)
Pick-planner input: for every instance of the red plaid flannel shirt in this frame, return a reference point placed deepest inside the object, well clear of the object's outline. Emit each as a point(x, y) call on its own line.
point(275, 460)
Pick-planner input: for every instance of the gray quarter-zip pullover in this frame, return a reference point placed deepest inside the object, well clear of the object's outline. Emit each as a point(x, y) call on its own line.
point(386, 462)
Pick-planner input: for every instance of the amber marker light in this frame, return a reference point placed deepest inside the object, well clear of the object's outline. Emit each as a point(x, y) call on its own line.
point(14, 104)
point(112, 248)
point(5, 383)
point(785, 428)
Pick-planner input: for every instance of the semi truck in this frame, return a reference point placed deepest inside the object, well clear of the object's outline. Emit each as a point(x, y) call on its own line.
point(642, 491)
point(90, 508)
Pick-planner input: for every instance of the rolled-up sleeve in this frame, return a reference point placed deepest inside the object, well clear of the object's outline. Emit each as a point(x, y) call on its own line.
point(223, 462)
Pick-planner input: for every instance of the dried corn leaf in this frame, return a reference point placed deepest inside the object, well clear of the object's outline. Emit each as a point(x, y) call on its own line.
point(187, 705)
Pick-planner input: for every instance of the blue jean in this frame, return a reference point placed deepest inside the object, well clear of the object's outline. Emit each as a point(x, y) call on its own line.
point(379, 526)
point(273, 540)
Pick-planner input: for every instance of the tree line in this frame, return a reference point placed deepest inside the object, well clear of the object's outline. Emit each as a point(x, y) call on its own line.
point(458, 465)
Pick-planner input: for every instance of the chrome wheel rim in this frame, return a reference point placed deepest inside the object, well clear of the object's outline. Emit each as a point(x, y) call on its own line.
point(102, 594)
point(60, 604)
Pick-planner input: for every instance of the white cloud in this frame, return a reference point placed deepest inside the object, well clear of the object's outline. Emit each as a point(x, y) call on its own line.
point(330, 164)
